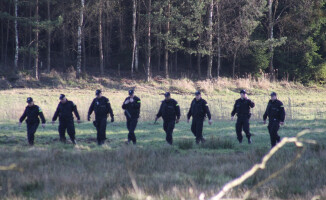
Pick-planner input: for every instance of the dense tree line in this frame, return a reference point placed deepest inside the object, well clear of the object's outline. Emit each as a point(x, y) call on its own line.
point(193, 38)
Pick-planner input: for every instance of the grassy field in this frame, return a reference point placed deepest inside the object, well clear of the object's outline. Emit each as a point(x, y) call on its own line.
point(153, 169)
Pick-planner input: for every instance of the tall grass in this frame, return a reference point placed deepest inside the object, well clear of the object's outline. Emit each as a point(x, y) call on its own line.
point(159, 173)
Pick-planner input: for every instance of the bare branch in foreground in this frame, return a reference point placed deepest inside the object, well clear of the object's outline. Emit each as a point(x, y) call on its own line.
point(298, 142)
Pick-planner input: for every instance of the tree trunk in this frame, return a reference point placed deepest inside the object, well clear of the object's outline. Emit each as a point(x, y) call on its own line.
point(234, 63)
point(189, 58)
point(134, 23)
point(36, 75)
point(100, 40)
point(149, 41)
point(84, 53)
point(176, 62)
point(16, 37)
point(271, 36)
point(218, 40)
point(2, 40)
point(159, 45)
point(137, 39)
point(210, 42)
point(79, 51)
point(198, 65)
point(166, 42)
point(7, 38)
point(30, 38)
point(49, 40)
point(121, 29)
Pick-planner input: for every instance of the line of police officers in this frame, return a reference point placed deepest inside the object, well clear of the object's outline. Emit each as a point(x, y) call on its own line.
point(169, 111)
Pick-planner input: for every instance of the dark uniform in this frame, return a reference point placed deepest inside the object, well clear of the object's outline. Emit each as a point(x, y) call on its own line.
point(198, 110)
point(169, 111)
point(276, 114)
point(66, 120)
point(102, 107)
point(242, 109)
point(33, 113)
point(132, 111)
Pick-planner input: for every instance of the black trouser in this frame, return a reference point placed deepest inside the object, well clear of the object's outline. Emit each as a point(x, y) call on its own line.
point(197, 128)
point(131, 125)
point(168, 126)
point(31, 129)
point(242, 124)
point(101, 129)
point(273, 128)
point(70, 127)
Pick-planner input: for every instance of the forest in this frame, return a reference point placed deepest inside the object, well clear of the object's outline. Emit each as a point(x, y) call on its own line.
point(199, 39)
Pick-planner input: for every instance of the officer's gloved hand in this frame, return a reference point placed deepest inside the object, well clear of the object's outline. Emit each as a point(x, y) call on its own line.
point(112, 119)
point(177, 121)
point(89, 118)
point(43, 125)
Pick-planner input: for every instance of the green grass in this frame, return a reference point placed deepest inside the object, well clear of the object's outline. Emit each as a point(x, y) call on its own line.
point(52, 170)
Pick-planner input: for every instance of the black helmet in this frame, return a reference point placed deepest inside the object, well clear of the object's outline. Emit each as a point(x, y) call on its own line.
point(29, 100)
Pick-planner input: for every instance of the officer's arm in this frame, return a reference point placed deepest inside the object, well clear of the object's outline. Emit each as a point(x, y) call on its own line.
point(234, 110)
point(207, 111)
point(124, 106)
point(56, 114)
point(41, 115)
point(177, 110)
point(91, 109)
point(159, 114)
point(110, 110)
point(251, 104)
point(22, 118)
point(137, 103)
point(266, 113)
point(76, 111)
point(282, 113)
point(189, 112)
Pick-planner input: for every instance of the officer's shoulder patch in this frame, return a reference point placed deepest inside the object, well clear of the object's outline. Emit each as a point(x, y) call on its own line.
point(39, 109)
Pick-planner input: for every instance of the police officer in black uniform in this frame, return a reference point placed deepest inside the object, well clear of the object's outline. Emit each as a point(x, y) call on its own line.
point(102, 107)
point(198, 110)
point(170, 112)
point(66, 120)
point(131, 106)
point(242, 109)
point(33, 113)
point(276, 115)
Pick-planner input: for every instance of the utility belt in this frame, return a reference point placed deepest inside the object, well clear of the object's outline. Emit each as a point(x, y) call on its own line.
point(244, 115)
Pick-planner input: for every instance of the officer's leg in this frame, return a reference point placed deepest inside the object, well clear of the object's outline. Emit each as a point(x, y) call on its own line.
point(193, 127)
point(71, 131)
point(277, 137)
point(128, 126)
point(272, 133)
point(31, 129)
point(199, 130)
point(165, 126)
point(238, 128)
point(133, 126)
point(103, 130)
point(62, 131)
point(98, 138)
point(169, 132)
point(246, 129)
